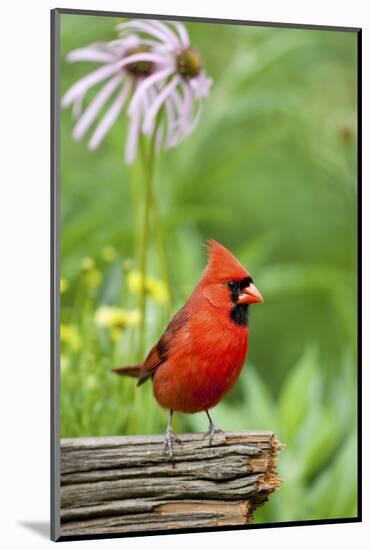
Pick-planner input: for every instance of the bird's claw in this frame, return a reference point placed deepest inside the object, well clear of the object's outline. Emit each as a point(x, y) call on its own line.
point(211, 432)
point(170, 438)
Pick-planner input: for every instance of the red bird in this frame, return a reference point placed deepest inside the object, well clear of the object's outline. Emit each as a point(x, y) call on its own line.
point(200, 356)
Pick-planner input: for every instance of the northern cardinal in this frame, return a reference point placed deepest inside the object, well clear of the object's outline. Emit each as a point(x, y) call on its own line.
point(200, 356)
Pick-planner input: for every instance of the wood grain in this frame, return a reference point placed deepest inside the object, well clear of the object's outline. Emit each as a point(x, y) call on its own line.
point(126, 484)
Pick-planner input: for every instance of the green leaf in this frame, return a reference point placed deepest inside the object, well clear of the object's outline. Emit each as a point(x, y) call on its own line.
point(295, 396)
point(320, 439)
point(261, 412)
point(334, 493)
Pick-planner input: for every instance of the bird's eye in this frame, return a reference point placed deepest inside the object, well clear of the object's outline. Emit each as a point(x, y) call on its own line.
point(233, 285)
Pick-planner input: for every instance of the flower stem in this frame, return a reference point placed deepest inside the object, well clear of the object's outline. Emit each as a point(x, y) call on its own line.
point(148, 177)
point(160, 239)
point(135, 177)
point(162, 249)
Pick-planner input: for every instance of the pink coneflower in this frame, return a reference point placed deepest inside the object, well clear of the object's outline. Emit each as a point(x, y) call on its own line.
point(152, 68)
point(182, 85)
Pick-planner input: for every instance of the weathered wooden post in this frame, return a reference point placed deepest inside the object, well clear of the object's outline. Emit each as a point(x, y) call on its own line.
point(126, 485)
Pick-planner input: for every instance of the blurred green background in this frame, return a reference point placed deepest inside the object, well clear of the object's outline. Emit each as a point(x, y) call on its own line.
point(270, 172)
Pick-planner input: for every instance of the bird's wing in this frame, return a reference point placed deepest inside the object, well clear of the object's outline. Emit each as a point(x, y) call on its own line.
point(159, 353)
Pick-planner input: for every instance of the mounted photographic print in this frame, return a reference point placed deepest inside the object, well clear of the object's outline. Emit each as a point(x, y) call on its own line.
point(205, 213)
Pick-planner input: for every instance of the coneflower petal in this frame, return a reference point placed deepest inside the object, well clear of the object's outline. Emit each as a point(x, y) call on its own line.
point(146, 56)
point(183, 123)
point(187, 104)
point(156, 105)
point(170, 116)
point(109, 118)
point(143, 26)
point(132, 138)
point(77, 106)
point(171, 36)
point(104, 72)
point(183, 33)
point(95, 106)
point(177, 103)
point(82, 85)
point(201, 85)
point(90, 54)
point(145, 85)
point(127, 43)
point(196, 118)
point(123, 43)
point(149, 97)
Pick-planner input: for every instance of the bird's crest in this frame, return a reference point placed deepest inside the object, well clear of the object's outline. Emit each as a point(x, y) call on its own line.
point(222, 265)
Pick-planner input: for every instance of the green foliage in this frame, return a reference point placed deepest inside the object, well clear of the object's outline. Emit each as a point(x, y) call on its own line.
point(270, 172)
point(291, 409)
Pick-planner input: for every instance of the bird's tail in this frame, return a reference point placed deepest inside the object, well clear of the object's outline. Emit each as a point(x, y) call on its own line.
point(132, 370)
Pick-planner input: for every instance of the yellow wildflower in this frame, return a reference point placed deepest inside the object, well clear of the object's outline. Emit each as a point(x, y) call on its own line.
point(116, 319)
point(87, 263)
point(63, 285)
point(70, 336)
point(153, 287)
point(109, 253)
point(93, 278)
point(111, 316)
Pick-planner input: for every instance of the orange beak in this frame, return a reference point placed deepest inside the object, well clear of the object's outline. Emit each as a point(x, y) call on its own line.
point(250, 295)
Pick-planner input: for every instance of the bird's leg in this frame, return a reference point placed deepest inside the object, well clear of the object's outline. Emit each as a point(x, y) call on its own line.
point(170, 438)
point(212, 429)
